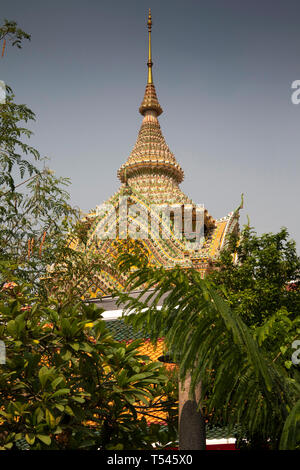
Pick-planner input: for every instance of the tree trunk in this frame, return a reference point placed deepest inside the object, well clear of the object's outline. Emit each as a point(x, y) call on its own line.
point(192, 435)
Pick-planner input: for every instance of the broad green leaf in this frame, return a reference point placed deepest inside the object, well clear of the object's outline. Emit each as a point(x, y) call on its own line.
point(61, 391)
point(56, 382)
point(78, 399)
point(30, 438)
point(50, 420)
point(69, 410)
point(45, 439)
point(60, 407)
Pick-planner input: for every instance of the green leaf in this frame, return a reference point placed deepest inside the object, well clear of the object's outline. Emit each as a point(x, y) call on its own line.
point(78, 399)
point(50, 420)
point(60, 407)
point(69, 410)
point(140, 377)
point(11, 328)
point(44, 374)
point(61, 391)
point(45, 439)
point(39, 415)
point(141, 397)
point(67, 356)
point(56, 382)
point(30, 438)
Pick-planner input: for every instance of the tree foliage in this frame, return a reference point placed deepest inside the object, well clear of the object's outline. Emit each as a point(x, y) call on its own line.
point(256, 280)
point(241, 385)
point(261, 284)
point(66, 383)
point(10, 32)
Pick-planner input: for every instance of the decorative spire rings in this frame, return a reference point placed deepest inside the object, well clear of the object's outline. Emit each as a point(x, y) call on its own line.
point(149, 63)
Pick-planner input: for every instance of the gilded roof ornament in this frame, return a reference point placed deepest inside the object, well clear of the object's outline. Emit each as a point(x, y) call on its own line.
point(149, 63)
point(150, 101)
point(151, 165)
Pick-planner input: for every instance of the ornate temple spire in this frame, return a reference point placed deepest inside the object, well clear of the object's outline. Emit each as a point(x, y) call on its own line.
point(151, 166)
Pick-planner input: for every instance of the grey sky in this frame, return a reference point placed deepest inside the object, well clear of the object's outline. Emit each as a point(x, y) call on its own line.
point(222, 69)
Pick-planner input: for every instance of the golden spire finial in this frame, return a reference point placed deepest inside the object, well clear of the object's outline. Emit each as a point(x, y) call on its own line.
point(149, 63)
point(150, 101)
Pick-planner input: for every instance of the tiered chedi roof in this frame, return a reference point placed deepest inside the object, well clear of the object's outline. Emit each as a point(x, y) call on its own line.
point(151, 167)
point(150, 175)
